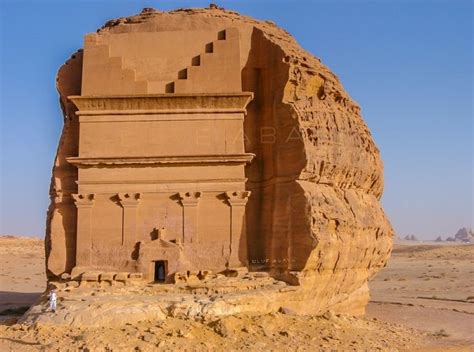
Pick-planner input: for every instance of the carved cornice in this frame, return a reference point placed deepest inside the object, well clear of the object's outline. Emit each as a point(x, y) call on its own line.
point(84, 200)
point(161, 103)
point(236, 198)
point(129, 199)
point(159, 160)
point(162, 181)
point(189, 198)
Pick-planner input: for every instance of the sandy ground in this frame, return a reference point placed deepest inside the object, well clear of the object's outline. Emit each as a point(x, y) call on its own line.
point(428, 286)
point(422, 301)
point(22, 271)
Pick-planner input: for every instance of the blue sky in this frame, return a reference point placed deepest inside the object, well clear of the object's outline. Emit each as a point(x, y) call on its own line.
point(409, 64)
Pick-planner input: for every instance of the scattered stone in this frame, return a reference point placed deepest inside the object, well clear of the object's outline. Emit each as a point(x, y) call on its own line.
point(221, 329)
point(90, 276)
point(329, 315)
point(136, 276)
point(287, 311)
point(122, 276)
point(147, 337)
point(108, 276)
point(65, 276)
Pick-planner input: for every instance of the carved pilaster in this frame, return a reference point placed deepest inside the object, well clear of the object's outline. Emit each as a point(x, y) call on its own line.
point(190, 201)
point(129, 203)
point(237, 241)
point(84, 204)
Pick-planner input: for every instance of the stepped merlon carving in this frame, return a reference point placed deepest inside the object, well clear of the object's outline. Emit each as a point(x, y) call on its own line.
point(215, 69)
point(110, 75)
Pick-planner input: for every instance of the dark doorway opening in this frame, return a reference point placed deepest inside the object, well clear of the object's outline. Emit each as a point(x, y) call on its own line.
point(161, 268)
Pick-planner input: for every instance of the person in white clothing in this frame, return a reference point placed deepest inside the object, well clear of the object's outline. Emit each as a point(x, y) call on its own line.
point(52, 300)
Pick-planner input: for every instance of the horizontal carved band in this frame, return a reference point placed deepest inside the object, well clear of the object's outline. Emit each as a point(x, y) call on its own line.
point(155, 102)
point(165, 115)
point(186, 198)
point(162, 181)
point(181, 160)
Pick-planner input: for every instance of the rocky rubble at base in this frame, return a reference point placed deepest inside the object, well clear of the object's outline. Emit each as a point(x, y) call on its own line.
point(89, 303)
point(276, 331)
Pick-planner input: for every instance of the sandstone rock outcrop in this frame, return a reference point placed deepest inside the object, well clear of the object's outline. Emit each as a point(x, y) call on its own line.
point(464, 235)
point(313, 216)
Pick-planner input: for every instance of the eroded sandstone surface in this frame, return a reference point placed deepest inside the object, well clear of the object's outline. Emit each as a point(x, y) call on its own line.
point(297, 184)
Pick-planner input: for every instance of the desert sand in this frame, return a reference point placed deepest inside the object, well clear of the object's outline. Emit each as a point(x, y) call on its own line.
point(422, 301)
point(22, 271)
point(428, 286)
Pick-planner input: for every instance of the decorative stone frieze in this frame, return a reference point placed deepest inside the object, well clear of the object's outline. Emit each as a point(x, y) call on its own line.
point(162, 103)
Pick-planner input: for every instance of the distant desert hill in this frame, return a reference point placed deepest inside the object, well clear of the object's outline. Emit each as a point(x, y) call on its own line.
point(431, 251)
point(465, 235)
point(411, 238)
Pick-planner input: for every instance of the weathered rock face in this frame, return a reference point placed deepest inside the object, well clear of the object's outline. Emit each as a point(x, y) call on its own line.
point(313, 218)
point(465, 235)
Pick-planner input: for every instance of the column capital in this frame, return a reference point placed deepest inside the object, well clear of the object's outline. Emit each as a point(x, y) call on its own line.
point(129, 199)
point(189, 198)
point(83, 200)
point(236, 198)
